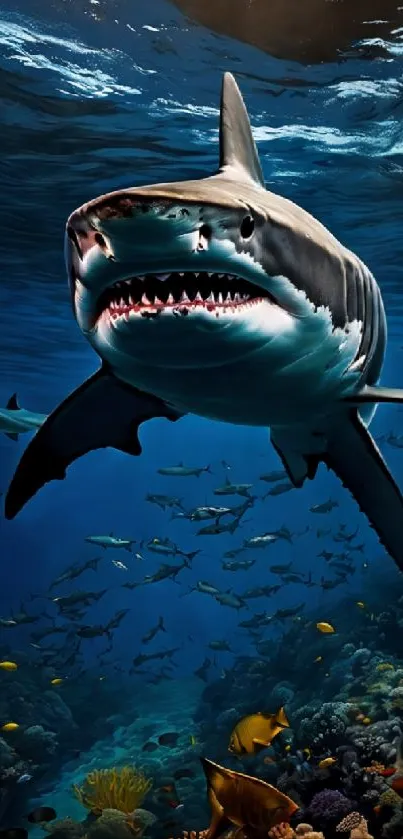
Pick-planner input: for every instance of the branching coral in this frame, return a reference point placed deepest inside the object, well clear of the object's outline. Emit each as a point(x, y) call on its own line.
point(114, 789)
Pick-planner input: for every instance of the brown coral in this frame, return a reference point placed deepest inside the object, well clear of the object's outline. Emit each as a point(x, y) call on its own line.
point(313, 834)
point(282, 831)
point(64, 829)
point(194, 834)
point(113, 789)
point(112, 824)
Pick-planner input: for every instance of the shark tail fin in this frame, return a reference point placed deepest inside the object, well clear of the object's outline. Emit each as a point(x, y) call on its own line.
point(353, 455)
point(238, 152)
point(12, 404)
point(234, 524)
point(188, 557)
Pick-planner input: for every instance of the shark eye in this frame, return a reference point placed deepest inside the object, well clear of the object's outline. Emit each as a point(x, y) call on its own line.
point(247, 227)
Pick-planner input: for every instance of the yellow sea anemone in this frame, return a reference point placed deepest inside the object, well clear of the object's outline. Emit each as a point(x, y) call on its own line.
point(114, 789)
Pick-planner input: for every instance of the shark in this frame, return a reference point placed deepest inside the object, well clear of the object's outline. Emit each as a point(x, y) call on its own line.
point(15, 420)
point(219, 298)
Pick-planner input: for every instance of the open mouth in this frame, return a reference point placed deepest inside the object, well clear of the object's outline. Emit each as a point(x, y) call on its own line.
point(179, 293)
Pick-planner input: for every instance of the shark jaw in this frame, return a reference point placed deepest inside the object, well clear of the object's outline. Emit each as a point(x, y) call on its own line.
point(180, 294)
point(175, 284)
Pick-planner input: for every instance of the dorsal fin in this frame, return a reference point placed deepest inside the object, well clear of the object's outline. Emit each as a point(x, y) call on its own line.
point(237, 147)
point(12, 404)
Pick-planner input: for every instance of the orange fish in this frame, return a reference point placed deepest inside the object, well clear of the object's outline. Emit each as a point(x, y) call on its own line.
point(387, 772)
point(244, 801)
point(397, 785)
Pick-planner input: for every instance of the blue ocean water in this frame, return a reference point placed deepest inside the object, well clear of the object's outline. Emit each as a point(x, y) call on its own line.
point(94, 99)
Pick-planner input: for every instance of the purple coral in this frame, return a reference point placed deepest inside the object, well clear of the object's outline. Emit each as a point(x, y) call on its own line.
point(329, 807)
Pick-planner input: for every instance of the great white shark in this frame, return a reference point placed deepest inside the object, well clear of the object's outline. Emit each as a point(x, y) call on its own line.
point(219, 298)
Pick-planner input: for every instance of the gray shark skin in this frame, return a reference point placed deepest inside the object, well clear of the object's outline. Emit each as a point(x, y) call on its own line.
point(219, 298)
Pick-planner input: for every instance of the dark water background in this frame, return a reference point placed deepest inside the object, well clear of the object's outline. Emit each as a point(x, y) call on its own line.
point(92, 100)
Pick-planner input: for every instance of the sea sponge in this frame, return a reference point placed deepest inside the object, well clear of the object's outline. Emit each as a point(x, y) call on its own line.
point(114, 789)
point(328, 807)
point(390, 798)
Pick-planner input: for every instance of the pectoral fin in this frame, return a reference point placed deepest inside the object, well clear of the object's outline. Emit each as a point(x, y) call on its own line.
point(298, 466)
point(353, 455)
point(102, 412)
point(375, 394)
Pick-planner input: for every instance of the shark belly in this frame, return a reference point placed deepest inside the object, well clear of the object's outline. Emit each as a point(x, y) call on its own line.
point(294, 379)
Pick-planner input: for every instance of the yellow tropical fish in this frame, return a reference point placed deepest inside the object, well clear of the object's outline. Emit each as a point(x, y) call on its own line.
point(244, 801)
point(326, 762)
point(366, 721)
point(382, 667)
point(56, 681)
point(10, 726)
point(360, 604)
point(192, 740)
point(318, 659)
point(256, 731)
point(326, 628)
point(8, 665)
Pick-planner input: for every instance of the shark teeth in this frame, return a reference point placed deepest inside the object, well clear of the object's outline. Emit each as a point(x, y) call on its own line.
point(180, 291)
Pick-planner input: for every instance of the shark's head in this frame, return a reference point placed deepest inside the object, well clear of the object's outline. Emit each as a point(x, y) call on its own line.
point(177, 273)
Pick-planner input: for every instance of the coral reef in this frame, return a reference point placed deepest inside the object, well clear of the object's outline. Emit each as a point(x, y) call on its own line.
point(116, 789)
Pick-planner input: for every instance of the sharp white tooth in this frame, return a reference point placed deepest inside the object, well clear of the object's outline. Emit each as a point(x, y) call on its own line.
point(131, 300)
point(118, 285)
point(121, 302)
point(198, 298)
point(228, 298)
point(140, 278)
point(210, 298)
point(220, 298)
point(170, 300)
point(184, 298)
point(145, 301)
point(220, 275)
point(112, 305)
point(128, 282)
point(158, 302)
point(209, 275)
point(181, 273)
point(162, 276)
point(237, 297)
point(197, 273)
